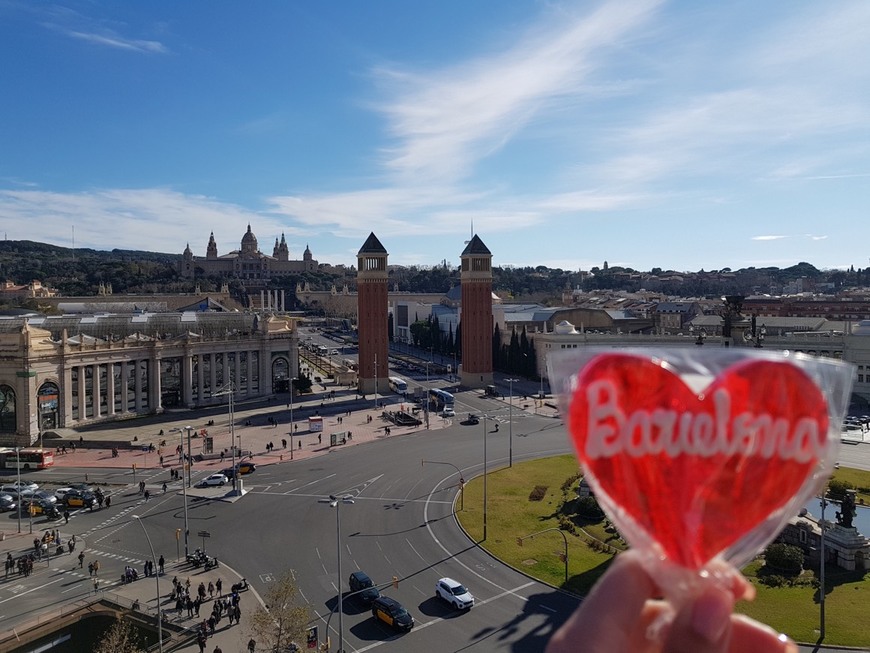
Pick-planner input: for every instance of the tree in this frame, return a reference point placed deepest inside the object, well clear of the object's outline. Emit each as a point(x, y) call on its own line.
point(784, 557)
point(284, 620)
point(119, 638)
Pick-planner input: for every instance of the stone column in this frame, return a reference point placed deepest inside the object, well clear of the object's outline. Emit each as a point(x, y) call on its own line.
point(82, 393)
point(212, 368)
point(155, 401)
point(137, 386)
point(200, 380)
point(187, 380)
point(95, 388)
point(110, 388)
point(125, 391)
point(65, 408)
point(250, 364)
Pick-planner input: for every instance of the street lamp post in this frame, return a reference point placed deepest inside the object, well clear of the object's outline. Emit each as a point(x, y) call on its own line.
point(428, 392)
point(547, 530)
point(461, 479)
point(485, 426)
point(189, 465)
point(18, 464)
point(511, 422)
point(376, 381)
point(335, 502)
point(184, 488)
point(157, 581)
point(822, 568)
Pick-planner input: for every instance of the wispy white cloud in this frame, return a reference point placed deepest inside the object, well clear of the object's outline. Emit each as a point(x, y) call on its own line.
point(769, 237)
point(443, 122)
point(101, 32)
point(119, 42)
point(151, 219)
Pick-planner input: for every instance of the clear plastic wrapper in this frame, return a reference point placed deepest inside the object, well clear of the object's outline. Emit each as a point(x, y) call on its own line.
point(701, 456)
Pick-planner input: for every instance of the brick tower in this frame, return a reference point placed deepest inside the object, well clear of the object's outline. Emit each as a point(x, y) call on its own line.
point(476, 315)
point(373, 313)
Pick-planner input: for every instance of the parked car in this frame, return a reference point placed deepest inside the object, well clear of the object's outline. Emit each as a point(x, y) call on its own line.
point(27, 485)
point(7, 503)
point(215, 479)
point(392, 613)
point(45, 495)
point(360, 582)
point(16, 492)
point(39, 507)
point(455, 593)
point(61, 492)
point(78, 499)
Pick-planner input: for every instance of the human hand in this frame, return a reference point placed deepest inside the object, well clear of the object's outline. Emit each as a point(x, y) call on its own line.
point(618, 614)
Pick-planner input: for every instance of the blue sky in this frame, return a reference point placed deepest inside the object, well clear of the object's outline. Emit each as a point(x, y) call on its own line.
point(683, 135)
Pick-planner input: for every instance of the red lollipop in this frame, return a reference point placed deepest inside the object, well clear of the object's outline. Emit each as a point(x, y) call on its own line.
point(696, 472)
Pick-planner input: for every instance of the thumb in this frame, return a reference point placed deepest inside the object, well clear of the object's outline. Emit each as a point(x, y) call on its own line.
point(703, 625)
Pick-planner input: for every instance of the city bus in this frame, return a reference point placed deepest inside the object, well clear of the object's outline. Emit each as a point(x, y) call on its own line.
point(398, 385)
point(439, 399)
point(29, 459)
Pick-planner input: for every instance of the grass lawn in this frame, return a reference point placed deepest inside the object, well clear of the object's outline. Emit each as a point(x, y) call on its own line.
point(510, 514)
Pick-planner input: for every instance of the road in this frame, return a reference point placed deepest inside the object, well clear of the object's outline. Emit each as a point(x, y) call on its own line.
point(399, 524)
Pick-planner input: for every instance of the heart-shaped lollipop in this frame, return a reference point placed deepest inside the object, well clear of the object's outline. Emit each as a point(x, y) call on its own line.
point(696, 472)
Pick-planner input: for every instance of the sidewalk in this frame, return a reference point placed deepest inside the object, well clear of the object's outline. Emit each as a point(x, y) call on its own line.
point(253, 432)
point(138, 596)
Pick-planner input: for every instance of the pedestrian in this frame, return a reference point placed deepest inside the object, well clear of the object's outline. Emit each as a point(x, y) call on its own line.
point(66, 516)
point(160, 564)
point(211, 624)
point(237, 613)
point(283, 443)
point(147, 495)
point(81, 559)
point(189, 606)
point(210, 589)
point(108, 501)
point(96, 567)
point(96, 585)
point(196, 606)
point(217, 649)
point(252, 644)
point(219, 587)
point(90, 565)
point(164, 488)
point(200, 639)
point(179, 604)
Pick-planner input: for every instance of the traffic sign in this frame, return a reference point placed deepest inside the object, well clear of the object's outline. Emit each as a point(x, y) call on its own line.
point(204, 534)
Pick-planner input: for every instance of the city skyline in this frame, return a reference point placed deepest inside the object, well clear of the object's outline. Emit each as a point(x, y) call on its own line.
point(641, 132)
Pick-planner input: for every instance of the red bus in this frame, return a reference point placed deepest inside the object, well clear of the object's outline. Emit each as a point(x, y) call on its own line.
point(29, 459)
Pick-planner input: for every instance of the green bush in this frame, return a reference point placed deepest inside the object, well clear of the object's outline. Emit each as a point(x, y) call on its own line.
point(588, 508)
point(837, 489)
point(784, 557)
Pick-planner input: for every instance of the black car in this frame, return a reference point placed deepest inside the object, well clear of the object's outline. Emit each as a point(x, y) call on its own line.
point(7, 503)
point(361, 583)
point(392, 613)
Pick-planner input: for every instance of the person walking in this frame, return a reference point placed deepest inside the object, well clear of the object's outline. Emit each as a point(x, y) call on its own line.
point(66, 516)
point(252, 644)
point(96, 567)
point(219, 585)
point(161, 563)
point(96, 585)
point(81, 559)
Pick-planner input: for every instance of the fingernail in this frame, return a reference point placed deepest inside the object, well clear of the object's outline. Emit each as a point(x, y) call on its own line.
point(788, 645)
point(710, 616)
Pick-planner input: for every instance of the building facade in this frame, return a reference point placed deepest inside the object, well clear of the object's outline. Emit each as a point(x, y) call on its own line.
point(247, 263)
point(67, 371)
point(373, 309)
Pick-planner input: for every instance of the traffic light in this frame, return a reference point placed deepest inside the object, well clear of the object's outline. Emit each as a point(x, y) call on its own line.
point(396, 582)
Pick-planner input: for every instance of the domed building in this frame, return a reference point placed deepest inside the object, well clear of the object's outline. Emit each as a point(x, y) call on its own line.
point(247, 263)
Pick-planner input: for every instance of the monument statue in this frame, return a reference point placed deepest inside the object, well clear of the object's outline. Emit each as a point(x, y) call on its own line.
point(847, 510)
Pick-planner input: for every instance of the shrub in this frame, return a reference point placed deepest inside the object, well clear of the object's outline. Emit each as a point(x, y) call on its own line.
point(588, 508)
point(785, 557)
point(837, 488)
point(538, 493)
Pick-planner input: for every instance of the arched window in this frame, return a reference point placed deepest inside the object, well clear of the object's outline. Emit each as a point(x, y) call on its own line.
point(7, 409)
point(47, 397)
point(280, 375)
